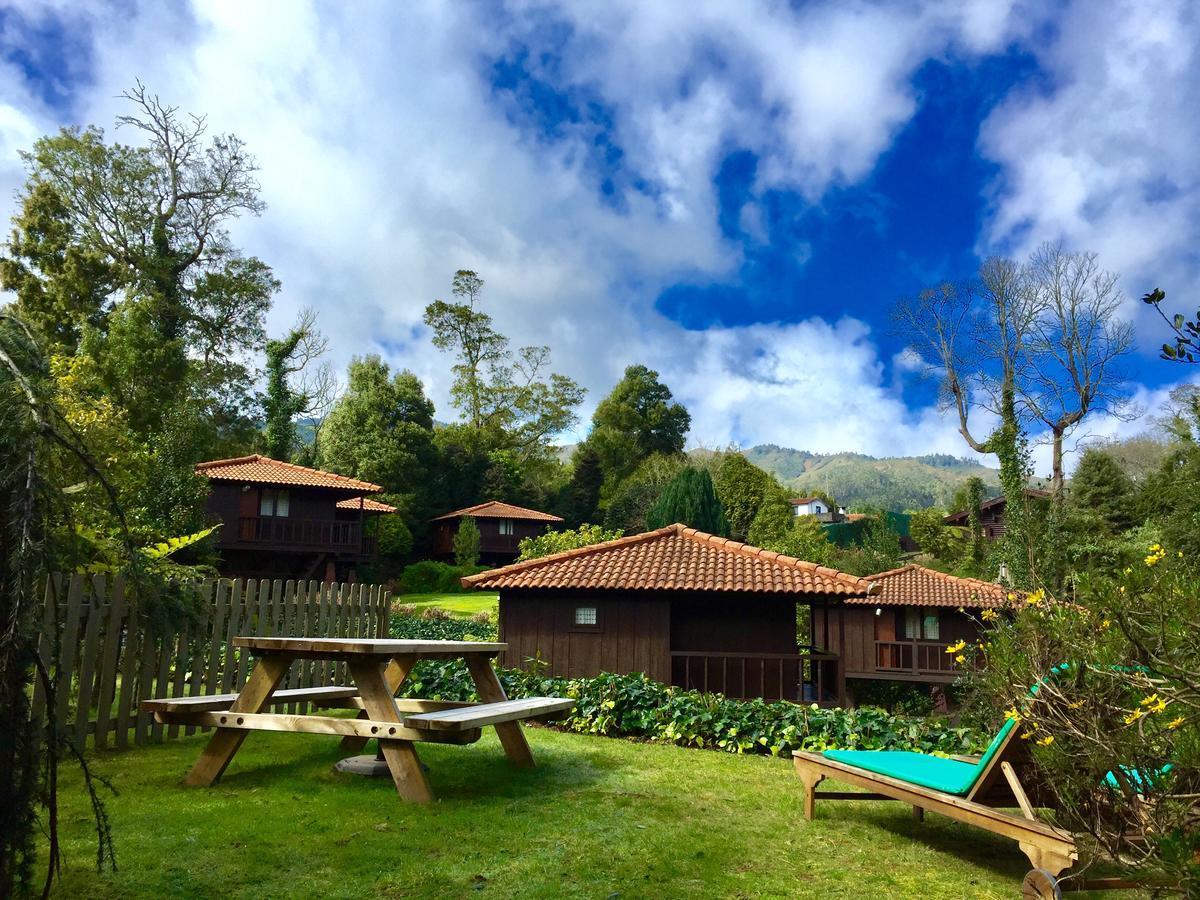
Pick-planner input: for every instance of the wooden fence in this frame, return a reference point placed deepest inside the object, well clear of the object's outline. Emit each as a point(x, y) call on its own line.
point(105, 660)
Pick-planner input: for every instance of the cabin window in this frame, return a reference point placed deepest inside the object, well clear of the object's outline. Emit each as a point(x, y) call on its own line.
point(585, 615)
point(274, 503)
point(506, 526)
point(921, 625)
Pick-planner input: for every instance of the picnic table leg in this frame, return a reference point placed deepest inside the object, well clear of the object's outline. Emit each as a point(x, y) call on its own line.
point(491, 691)
point(225, 742)
point(401, 756)
point(810, 778)
point(395, 674)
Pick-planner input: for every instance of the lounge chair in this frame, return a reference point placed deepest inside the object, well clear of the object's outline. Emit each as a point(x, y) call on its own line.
point(968, 791)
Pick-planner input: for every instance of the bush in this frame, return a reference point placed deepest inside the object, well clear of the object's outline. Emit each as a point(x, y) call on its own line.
point(569, 539)
point(635, 706)
point(433, 577)
point(895, 696)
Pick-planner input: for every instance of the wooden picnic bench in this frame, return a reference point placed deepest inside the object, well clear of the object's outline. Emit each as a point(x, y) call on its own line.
point(378, 668)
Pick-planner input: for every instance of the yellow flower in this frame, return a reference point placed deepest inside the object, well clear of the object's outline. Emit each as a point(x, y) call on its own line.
point(1026, 735)
point(1046, 741)
point(1012, 596)
point(1013, 714)
point(1106, 623)
point(1156, 555)
point(956, 648)
point(1076, 705)
point(1134, 715)
point(960, 659)
point(1035, 598)
point(1175, 723)
point(989, 614)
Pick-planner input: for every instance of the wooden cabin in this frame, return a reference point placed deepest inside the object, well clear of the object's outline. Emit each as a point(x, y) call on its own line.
point(684, 607)
point(992, 514)
point(502, 526)
point(901, 632)
point(281, 520)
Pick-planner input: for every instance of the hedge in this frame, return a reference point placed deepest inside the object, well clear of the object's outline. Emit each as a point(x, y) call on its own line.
point(432, 577)
point(634, 706)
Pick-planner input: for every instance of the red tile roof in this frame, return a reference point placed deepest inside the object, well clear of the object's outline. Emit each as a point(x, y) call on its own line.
point(799, 501)
point(494, 509)
point(673, 558)
point(259, 469)
point(368, 505)
point(914, 585)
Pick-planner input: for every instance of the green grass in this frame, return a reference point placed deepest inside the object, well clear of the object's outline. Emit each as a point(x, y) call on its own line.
point(462, 605)
point(598, 818)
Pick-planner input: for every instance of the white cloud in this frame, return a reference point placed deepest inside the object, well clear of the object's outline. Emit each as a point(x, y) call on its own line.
point(388, 162)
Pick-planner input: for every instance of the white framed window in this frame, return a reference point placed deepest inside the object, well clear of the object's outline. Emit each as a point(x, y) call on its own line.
point(922, 625)
point(506, 526)
point(931, 626)
point(585, 615)
point(274, 503)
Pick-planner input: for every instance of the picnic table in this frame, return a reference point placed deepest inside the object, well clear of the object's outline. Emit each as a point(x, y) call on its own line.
point(378, 667)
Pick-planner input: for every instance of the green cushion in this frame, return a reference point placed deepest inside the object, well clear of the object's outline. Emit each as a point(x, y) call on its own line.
point(947, 775)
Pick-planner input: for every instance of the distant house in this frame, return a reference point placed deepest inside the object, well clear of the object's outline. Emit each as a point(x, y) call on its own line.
point(682, 606)
point(901, 633)
point(815, 506)
point(501, 528)
point(991, 514)
point(281, 520)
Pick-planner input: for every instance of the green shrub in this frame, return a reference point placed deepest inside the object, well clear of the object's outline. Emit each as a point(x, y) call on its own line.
point(637, 707)
point(895, 696)
point(433, 577)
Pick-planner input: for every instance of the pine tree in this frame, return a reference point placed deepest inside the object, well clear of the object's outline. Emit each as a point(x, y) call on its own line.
point(581, 496)
point(1100, 486)
point(689, 498)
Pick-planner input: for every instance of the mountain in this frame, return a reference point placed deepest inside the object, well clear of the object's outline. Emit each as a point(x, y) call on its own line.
point(857, 480)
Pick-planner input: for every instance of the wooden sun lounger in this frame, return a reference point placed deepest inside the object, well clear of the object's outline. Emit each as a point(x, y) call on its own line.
point(1048, 849)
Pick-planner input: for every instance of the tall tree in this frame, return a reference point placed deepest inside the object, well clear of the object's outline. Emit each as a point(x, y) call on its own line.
point(581, 496)
point(691, 499)
point(130, 244)
point(1100, 488)
point(740, 486)
point(637, 419)
point(381, 430)
point(292, 388)
point(509, 397)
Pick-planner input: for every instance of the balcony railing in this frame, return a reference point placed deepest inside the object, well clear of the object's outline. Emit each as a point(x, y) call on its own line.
point(305, 533)
point(915, 657)
point(804, 676)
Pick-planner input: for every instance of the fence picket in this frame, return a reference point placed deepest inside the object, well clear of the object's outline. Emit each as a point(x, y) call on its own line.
point(113, 634)
point(97, 608)
point(233, 627)
point(68, 644)
point(45, 643)
point(212, 678)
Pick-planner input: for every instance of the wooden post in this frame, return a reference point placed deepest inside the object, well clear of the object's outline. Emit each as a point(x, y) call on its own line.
point(841, 660)
point(401, 756)
point(108, 662)
point(491, 691)
point(225, 741)
point(394, 675)
point(810, 778)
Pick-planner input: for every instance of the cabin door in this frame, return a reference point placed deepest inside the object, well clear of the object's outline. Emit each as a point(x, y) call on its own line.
point(247, 513)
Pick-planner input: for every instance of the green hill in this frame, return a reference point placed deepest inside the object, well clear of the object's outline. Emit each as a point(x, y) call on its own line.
point(856, 480)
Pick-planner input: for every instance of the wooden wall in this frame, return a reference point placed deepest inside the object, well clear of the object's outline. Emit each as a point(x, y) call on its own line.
point(752, 623)
point(863, 628)
point(491, 542)
point(632, 633)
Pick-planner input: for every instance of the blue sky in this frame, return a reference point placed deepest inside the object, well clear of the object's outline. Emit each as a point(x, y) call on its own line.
point(734, 194)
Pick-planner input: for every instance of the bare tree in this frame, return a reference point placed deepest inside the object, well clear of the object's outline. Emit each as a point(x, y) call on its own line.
point(1070, 363)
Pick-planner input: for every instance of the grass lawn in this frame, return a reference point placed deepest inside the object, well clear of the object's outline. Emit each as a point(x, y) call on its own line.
point(462, 605)
point(599, 818)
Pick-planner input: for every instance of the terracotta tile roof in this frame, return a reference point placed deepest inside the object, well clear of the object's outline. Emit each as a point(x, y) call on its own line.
point(494, 509)
point(914, 585)
point(797, 501)
point(368, 505)
point(673, 558)
point(264, 470)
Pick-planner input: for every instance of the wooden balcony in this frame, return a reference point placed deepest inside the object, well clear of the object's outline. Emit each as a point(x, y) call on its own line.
point(286, 533)
point(804, 677)
point(914, 658)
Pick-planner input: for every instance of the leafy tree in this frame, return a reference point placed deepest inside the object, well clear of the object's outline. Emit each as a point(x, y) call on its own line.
point(631, 501)
point(505, 396)
point(879, 550)
point(381, 430)
point(774, 520)
point(969, 498)
point(125, 251)
point(466, 543)
point(740, 487)
point(567, 539)
point(287, 358)
point(807, 539)
point(1100, 488)
point(938, 540)
point(638, 419)
point(581, 496)
point(691, 499)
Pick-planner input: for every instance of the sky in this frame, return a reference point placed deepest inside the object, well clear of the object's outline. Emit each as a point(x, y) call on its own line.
point(735, 194)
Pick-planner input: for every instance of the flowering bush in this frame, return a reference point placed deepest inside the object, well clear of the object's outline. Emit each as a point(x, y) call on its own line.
point(1115, 722)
